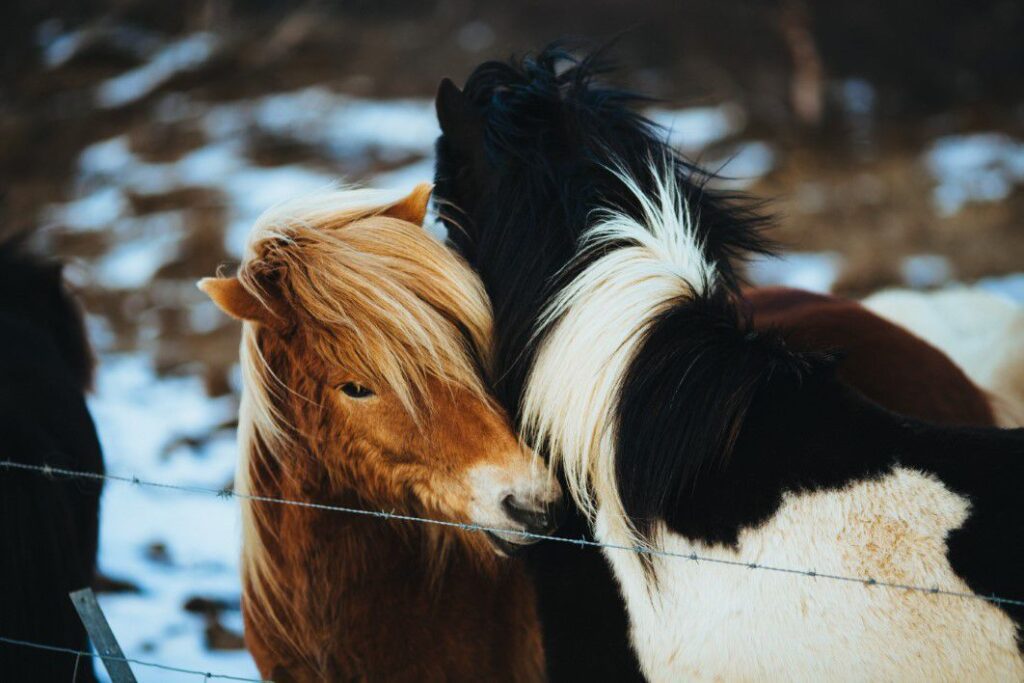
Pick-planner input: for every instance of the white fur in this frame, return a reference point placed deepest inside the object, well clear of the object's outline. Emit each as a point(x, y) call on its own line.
point(705, 621)
point(524, 479)
point(592, 328)
point(980, 332)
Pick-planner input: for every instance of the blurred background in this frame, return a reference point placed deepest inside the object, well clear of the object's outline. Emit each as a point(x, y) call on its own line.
point(139, 139)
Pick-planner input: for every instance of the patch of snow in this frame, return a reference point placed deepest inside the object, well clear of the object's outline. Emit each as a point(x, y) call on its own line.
point(749, 162)
point(925, 271)
point(981, 167)
point(204, 316)
point(183, 54)
point(137, 414)
point(97, 210)
point(858, 97)
point(694, 128)
point(813, 271)
point(220, 165)
point(60, 48)
point(1007, 286)
point(253, 190)
point(406, 177)
point(132, 262)
point(101, 334)
point(346, 125)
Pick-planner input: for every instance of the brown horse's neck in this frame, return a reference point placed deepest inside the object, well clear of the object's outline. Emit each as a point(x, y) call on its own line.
point(370, 599)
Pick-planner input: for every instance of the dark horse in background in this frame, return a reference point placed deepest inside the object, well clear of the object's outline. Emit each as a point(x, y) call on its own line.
point(48, 526)
point(528, 152)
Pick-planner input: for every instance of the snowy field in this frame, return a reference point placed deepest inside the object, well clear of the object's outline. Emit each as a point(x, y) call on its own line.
point(164, 426)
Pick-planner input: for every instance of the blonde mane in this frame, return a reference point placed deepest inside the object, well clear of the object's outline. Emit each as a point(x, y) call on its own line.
point(386, 301)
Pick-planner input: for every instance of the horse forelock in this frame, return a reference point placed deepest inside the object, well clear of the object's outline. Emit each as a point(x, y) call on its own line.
point(372, 294)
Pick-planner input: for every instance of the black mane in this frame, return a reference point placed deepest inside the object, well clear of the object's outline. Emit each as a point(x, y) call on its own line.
point(525, 156)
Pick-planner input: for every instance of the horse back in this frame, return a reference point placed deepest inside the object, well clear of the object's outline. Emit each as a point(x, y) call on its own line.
point(886, 363)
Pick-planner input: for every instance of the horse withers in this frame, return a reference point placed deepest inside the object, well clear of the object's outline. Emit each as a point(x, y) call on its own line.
point(364, 352)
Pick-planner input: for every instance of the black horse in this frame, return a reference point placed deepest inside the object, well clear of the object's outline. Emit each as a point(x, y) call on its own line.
point(48, 526)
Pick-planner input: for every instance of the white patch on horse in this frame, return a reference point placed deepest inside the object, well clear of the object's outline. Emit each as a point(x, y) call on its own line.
point(590, 331)
point(705, 621)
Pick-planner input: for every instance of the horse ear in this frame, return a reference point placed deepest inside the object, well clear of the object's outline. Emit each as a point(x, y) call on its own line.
point(413, 207)
point(232, 298)
point(455, 113)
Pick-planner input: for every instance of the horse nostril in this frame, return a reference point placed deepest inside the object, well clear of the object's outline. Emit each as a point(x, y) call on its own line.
point(536, 520)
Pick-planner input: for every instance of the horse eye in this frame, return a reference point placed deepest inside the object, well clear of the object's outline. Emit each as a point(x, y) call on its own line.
point(355, 390)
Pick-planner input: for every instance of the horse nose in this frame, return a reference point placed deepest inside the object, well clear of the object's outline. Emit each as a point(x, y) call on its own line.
point(537, 517)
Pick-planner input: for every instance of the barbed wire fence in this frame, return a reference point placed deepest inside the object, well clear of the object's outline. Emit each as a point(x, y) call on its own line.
point(227, 493)
point(127, 660)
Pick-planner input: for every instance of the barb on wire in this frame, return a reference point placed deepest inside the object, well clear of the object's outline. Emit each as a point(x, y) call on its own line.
point(582, 542)
point(127, 660)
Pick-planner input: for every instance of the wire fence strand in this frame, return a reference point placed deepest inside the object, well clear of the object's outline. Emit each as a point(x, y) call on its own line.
point(128, 660)
point(468, 526)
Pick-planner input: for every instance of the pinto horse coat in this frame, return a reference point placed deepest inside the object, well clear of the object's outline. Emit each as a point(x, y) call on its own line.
point(681, 425)
point(48, 527)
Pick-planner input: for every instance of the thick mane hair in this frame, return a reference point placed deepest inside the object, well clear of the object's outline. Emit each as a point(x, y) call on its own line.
point(551, 136)
point(672, 367)
point(411, 312)
point(399, 311)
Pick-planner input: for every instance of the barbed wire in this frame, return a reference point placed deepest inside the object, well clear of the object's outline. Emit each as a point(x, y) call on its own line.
point(128, 660)
point(469, 526)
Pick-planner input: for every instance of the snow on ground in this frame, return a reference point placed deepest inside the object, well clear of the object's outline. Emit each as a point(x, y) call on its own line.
point(1008, 286)
point(694, 128)
point(174, 545)
point(923, 271)
point(981, 167)
point(182, 54)
point(813, 271)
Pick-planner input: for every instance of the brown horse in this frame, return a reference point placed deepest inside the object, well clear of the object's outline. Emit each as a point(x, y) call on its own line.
point(364, 345)
point(981, 332)
point(885, 362)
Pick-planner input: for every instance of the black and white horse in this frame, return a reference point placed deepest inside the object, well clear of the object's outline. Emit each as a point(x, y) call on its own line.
point(48, 527)
point(679, 426)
